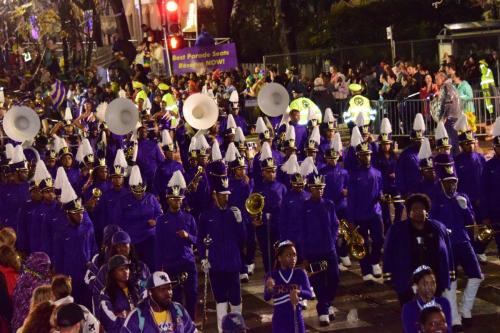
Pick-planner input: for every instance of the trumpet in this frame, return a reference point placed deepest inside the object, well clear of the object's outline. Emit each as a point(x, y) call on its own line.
point(354, 240)
point(254, 205)
point(196, 179)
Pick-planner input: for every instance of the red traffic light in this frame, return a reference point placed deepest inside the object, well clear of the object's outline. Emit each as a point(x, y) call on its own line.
point(175, 42)
point(172, 6)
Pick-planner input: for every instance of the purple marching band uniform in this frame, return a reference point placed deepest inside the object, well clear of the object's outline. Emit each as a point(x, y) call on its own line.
point(410, 314)
point(149, 157)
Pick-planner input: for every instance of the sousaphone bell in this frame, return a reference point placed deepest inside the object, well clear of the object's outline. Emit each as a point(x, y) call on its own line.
point(200, 111)
point(21, 123)
point(121, 116)
point(273, 99)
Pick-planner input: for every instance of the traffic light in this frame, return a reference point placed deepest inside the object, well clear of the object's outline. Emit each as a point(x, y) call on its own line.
point(173, 24)
point(175, 42)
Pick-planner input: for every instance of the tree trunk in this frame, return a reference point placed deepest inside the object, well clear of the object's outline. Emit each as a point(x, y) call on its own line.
point(223, 8)
point(121, 20)
point(280, 27)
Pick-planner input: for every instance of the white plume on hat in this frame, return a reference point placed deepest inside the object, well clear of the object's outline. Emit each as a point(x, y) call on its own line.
point(192, 144)
point(101, 111)
point(61, 177)
point(440, 131)
point(461, 125)
point(177, 179)
point(41, 172)
point(328, 117)
point(285, 118)
point(307, 167)
point(311, 115)
point(496, 128)
point(201, 142)
point(135, 176)
point(419, 123)
point(265, 151)
point(385, 126)
point(84, 149)
point(216, 154)
point(18, 155)
point(68, 115)
point(290, 133)
point(234, 98)
point(291, 166)
point(360, 120)
point(9, 150)
point(59, 143)
point(336, 143)
point(231, 123)
point(68, 194)
point(356, 138)
point(166, 139)
point(239, 136)
point(232, 153)
point(260, 126)
point(315, 136)
point(135, 151)
point(425, 150)
point(120, 159)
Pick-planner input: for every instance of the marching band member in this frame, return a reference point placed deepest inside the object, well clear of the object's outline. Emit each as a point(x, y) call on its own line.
point(111, 198)
point(350, 157)
point(136, 213)
point(432, 319)
point(198, 190)
point(289, 148)
point(319, 236)
point(176, 233)
point(428, 184)
point(407, 171)
point(66, 161)
point(455, 211)
point(490, 185)
point(414, 242)
point(364, 191)
point(16, 193)
point(425, 281)
point(442, 139)
point(300, 130)
point(385, 160)
point(149, 155)
point(224, 225)
point(228, 133)
point(273, 191)
point(265, 137)
point(311, 148)
point(286, 285)
point(327, 128)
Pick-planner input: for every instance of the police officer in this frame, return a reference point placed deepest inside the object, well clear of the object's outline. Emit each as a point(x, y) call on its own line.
point(176, 233)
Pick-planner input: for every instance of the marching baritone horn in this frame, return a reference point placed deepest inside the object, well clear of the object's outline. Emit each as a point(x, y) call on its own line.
point(96, 193)
point(254, 205)
point(354, 240)
point(483, 232)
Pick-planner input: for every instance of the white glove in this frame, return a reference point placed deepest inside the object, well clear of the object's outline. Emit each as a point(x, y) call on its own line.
point(237, 214)
point(462, 201)
point(205, 265)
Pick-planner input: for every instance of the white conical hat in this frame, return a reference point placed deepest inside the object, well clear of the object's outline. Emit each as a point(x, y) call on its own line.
point(177, 179)
point(385, 126)
point(84, 149)
point(336, 143)
point(440, 131)
point(234, 98)
point(311, 115)
point(425, 150)
point(260, 126)
point(120, 159)
point(356, 138)
point(201, 142)
point(291, 166)
point(166, 139)
point(18, 155)
point(307, 167)
point(461, 125)
point(216, 153)
point(9, 151)
point(68, 194)
point(41, 172)
point(61, 177)
point(315, 136)
point(419, 123)
point(239, 136)
point(101, 111)
point(59, 143)
point(122, 93)
point(67, 114)
point(192, 143)
point(360, 120)
point(231, 123)
point(285, 119)
point(496, 128)
point(135, 151)
point(265, 151)
point(231, 153)
point(328, 117)
point(290, 133)
point(135, 176)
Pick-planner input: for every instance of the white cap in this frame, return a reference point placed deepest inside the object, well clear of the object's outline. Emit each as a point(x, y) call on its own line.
point(260, 126)
point(440, 131)
point(419, 123)
point(461, 125)
point(120, 159)
point(285, 119)
point(360, 120)
point(135, 176)
point(496, 128)
point(315, 136)
point(336, 143)
point(385, 126)
point(265, 151)
point(328, 117)
point(290, 133)
point(61, 177)
point(216, 154)
point(307, 167)
point(291, 166)
point(230, 122)
point(18, 155)
point(356, 138)
point(41, 172)
point(67, 192)
point(166, 139)
point(231, 153)
point(67, 114)
point(9, 150)
point(425, 150)
point(239, 136)
point(177, 179)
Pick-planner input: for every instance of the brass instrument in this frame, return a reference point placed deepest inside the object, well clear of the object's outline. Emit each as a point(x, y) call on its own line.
point(254, 205)
point(316, 267)
point(96, 193)
point(196, 179)
point(483, 232)
point(354, 240)
point(180, 279)
point(389, 199)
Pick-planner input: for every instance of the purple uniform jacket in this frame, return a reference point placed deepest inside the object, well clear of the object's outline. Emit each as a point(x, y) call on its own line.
point(363, 194)
point(273, 192)
point(13, 197)
point(290, 220)
point(336, 180)
point(408, 171)
point(149, 157)
point(469, 168)
point(410, 314)
point(319, 228)
point(490, 189)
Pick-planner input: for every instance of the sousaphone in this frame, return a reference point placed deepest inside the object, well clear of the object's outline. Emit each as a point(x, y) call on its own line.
point(273, 99)
point(121, 116)
point(200, 111)
point(21, 123)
